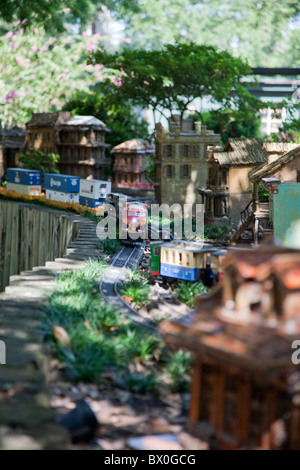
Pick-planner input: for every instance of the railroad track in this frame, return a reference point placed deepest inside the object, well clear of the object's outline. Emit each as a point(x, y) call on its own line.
point(127, 258)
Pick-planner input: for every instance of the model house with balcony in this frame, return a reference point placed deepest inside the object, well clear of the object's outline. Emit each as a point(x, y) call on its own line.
point(181, 161)
point(79, 140)
point(130, 162)
point(227, 189)
point(81, 146)
point(281, 168)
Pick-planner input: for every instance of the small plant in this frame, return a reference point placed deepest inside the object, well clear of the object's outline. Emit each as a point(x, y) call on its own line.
point(187, 291)
point(138, 291)
point(178, 365)
point(212, 232)
point(137, 275)
point(108, 246)
point(140, 383)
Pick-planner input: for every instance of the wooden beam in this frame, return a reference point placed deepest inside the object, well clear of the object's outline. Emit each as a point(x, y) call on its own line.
point(243, 410)
point(195, 406)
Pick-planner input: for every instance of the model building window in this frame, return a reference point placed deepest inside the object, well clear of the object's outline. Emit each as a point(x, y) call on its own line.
point(169, 171)
point(132, 178)
point(166, 256)
point(180, 258)
point(131, 162)
point(185, 171)
point(224, 177)
point(125, 179)
point(125, 160)
point(173, 257)
point(196, 151)
point(187, 260)
point(168, 151)
point(140, 178)
point(184, 151)
point(220, 206)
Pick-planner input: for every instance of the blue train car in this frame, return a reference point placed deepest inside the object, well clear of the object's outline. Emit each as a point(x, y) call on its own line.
point(62, 183)
point(187, 261)
point(89, 202)
point(24, 177)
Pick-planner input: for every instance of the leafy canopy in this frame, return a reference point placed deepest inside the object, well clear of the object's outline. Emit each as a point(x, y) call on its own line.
point(55, 15)
point(173, 77)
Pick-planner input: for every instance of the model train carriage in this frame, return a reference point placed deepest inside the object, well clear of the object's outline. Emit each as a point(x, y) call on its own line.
point(134, 225)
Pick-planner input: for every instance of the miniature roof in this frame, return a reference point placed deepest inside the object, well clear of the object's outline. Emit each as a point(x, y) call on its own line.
point(266, 170)
point(12, 137)
point(84, 121)
point(134, 145)
point(241, 152)
point(48, 119)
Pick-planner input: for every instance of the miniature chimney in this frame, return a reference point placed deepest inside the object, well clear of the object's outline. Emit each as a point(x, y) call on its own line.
point(198, 127)
point(177, 129)
point(203, 130)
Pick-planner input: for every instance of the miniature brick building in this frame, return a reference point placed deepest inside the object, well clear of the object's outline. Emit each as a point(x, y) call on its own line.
point(245, 388)
point(80, 142)
point(228, 188)
point(130, 164)
point(181, 161)
point(11, 142)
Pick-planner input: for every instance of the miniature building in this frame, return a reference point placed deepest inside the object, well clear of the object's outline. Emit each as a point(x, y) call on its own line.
point(42, 131)
point(227, 188)
point(284, 168)
point(11, 143)
point(181, 161)
point(80, 142)
point(130, 164)
point(81, 145)
point(245, 388)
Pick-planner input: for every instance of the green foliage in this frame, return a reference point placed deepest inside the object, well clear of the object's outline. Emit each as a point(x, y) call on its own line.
point(139, 291)
point(172, 77)
point(213, 232)
point(265, 33)
point(262, 190)
point(243, 121)
point(122, 120)
point(187, 292)
point(289, 132)
point(56, 15)
point(36, 160)
point(178, 365)
point(140, 383)
point(108, 246)
point(38, 72)
point(100, 339)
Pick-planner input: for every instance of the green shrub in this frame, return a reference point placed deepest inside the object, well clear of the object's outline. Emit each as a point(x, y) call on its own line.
point(186, 291)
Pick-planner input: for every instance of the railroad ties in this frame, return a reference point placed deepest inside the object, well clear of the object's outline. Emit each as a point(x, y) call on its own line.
point(127, 258)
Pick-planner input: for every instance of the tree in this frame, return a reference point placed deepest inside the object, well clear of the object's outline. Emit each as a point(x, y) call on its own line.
point(38, 73)
point(36, 160)
point(124, 123)
point(54, 15)
point(266, 33)
point(170, 79)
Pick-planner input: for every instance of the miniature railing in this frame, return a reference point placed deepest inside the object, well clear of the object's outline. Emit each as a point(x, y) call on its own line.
point(245, 213)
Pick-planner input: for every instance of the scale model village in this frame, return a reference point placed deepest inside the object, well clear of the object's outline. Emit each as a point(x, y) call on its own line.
point(229, 301)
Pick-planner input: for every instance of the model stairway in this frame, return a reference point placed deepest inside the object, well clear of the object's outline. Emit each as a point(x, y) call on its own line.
point(242, 228)
point(26, 417)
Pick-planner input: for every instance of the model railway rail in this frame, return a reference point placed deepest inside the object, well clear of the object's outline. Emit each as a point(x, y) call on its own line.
point(127, 258)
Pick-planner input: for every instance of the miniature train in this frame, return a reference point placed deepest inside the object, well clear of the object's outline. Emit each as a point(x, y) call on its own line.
point(187, 260)
point(132, 216)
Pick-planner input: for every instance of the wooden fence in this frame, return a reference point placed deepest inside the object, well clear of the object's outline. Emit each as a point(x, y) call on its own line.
point(30, 236)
